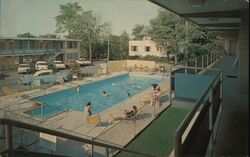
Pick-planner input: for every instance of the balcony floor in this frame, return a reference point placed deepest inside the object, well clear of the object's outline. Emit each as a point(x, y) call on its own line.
point(232, 136)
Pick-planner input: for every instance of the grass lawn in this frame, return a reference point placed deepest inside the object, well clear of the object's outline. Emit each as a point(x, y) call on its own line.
point(158, 138)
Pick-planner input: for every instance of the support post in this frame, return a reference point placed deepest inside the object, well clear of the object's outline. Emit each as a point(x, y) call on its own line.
point(211, 113)
point(195, 70)
point(186, 66)
point(107, 152)
point(9, 140)
point(170, 85)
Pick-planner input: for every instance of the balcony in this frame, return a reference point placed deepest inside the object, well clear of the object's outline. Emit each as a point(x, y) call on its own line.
point(24, 52)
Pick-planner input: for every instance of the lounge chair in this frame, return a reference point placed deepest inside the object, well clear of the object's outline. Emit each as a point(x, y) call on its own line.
point(123, 116)
point(94, 120)
point(147, 99)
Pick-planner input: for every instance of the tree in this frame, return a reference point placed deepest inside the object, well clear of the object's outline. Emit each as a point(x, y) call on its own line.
point(124, 47)
point(67, 18)
point(48, 36)
point(88, 28)
point(26, 35)
point(168, 30)
point(137, 30)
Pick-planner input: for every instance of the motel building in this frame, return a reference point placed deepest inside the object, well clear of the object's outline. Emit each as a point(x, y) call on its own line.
point(15, 50)
point(145, 47)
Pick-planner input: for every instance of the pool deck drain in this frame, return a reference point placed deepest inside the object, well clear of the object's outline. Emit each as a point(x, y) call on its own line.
point(75, 123)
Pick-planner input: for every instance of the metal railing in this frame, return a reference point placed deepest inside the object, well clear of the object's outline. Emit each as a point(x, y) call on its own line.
point(9, 124)
point(201, 119)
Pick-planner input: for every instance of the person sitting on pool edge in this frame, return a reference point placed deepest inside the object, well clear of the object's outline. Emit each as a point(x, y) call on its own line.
point(88, 109)
point(78, 88)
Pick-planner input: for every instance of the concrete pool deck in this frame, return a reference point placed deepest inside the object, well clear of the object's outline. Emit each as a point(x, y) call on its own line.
point(74, 122)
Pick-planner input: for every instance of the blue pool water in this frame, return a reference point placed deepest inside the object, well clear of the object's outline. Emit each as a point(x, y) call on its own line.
point(117, 88)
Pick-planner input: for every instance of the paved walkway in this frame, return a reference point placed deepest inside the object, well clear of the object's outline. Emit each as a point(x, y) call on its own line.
point(233, 134)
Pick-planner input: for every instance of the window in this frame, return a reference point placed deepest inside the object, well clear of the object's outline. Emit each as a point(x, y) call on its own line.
point(45, 73)
point(147, 48)
point(2, 45)
point(133, 48)
point(72, 44)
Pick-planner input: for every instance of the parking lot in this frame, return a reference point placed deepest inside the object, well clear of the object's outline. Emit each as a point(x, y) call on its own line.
point(10, 78)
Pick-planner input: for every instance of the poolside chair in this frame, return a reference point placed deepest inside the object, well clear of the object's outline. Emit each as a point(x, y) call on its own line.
point(94, 120)
point(146, 99)
point(114, 117)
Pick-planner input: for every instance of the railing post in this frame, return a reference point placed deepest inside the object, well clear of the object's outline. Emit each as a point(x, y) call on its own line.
point(177, 148)
point(9, 140)
point(221, 86)
point(170, 86)
point(202, 62)
point(211, 58)
point(207, 60)
point(186, 68)
point(195, 70)
point(211, 113)
point(107, 152)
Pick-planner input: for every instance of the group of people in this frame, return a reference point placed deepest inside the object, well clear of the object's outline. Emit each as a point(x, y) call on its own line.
point(127, 113)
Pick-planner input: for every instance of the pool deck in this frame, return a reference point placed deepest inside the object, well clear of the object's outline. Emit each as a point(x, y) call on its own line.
point(75, 123)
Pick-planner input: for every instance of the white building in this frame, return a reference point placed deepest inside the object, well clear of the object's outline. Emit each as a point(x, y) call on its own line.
point(145, 47)
point(7, 18)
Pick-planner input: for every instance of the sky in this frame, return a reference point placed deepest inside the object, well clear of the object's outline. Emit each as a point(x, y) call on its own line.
point(38, 16)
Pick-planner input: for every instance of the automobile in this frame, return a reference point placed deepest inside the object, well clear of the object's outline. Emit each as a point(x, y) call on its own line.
point(41, 65)
point(45, 76)
point(59, 65)
point(83, 61)
point(23, 68)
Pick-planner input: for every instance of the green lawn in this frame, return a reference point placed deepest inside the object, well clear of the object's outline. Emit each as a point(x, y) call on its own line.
point(158, 138)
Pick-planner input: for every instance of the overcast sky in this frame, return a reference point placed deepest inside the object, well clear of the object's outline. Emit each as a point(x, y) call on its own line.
point(37, 16)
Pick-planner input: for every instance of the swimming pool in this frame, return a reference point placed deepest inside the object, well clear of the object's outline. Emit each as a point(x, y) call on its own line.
point(117, 87)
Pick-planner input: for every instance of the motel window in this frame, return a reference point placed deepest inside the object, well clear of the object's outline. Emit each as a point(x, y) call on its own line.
point(133, 48)
point(11, 45)
point(147, 48)
point(61, 45)
point(33, 44)
point(2, 46)
point(21, 44)
point(72, 44)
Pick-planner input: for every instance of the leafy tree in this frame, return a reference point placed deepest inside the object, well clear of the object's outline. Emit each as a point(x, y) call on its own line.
point(124, 47)
point(88, 28)
point(137, 31)
point(168, 30)
point(67, 18)
point(26, 35)
point(48, 36)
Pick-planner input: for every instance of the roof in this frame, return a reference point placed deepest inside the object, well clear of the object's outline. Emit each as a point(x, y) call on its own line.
point(42, 71)
point(221, 16)
point(47, 39)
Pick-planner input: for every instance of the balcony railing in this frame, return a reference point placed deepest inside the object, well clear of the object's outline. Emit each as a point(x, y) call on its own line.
point(196, 134)
point(17, 52)
point(91, 148)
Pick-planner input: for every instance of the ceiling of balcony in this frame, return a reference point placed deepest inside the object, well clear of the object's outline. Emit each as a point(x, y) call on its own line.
point(220, 16)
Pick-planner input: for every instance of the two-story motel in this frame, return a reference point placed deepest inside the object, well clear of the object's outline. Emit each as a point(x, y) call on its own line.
point(13, 50)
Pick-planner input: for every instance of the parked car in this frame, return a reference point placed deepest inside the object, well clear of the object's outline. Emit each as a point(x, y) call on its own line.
point(45, 76)
point(59, 65)
point(41, 65)
point(23, 68)
point(83, 61)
